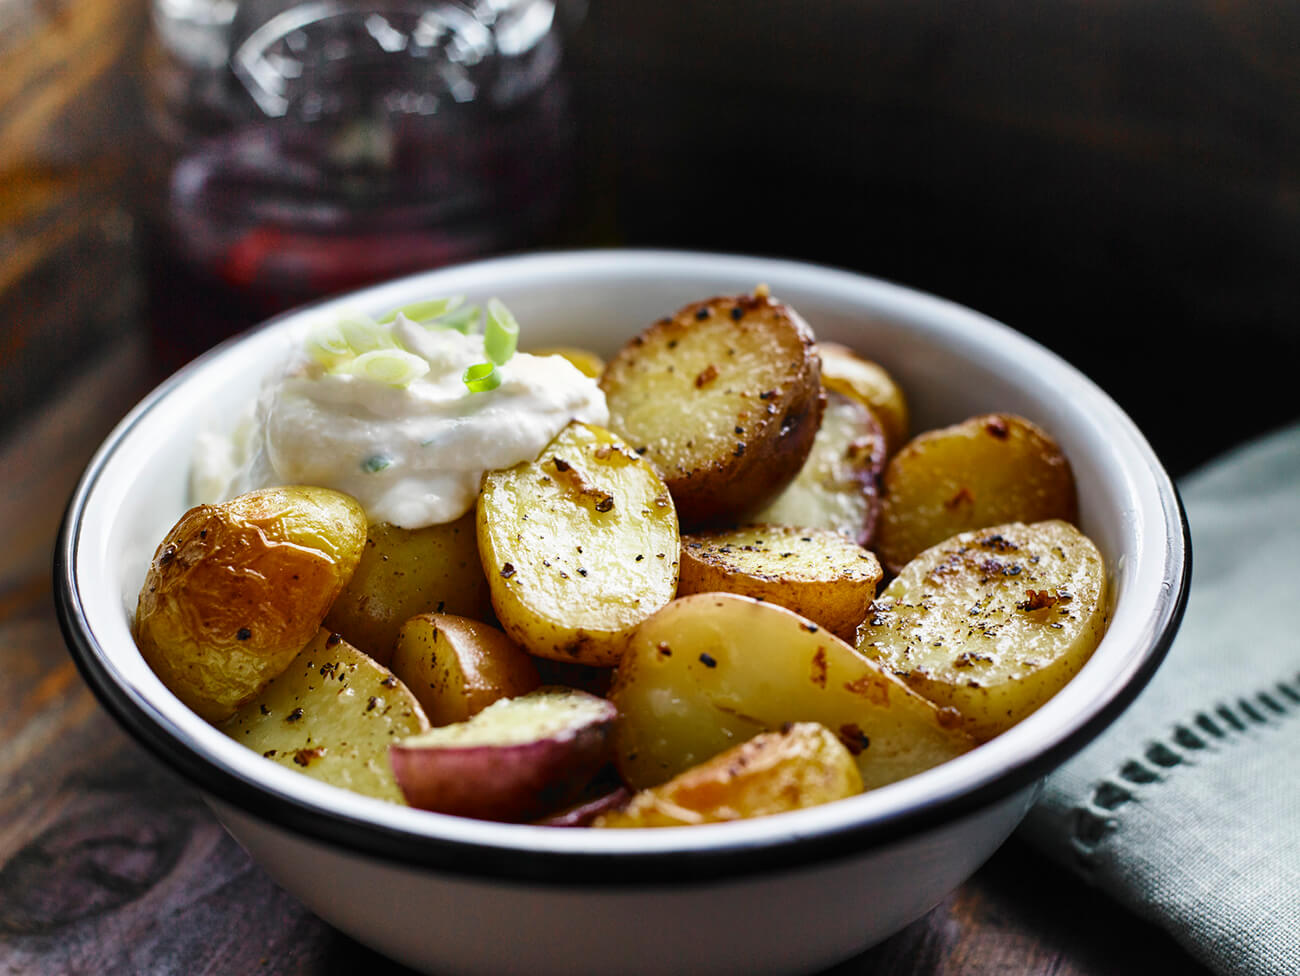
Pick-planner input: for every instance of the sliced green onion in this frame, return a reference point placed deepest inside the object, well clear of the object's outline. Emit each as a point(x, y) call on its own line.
point(462, 319)
point(376, 463)
point(501, 335)
point(326, 345)
point(364, 335)
point(425, 311)
point(482, 377)
point(392, 367)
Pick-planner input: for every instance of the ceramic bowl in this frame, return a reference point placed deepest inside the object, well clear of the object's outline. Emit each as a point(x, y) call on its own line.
point(783, 894)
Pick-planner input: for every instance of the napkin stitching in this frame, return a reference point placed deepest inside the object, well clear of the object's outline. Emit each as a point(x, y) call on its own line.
point(1097, 816)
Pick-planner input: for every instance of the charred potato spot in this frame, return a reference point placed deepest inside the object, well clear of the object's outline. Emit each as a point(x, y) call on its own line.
point(724, 399)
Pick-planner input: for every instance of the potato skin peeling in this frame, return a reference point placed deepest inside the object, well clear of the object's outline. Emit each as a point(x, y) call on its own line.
point(992, 622)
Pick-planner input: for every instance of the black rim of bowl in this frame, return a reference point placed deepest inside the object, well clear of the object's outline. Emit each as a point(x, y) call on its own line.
point(587, 867)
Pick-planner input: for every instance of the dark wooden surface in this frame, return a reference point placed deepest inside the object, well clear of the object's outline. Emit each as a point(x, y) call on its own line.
point(1121, 180)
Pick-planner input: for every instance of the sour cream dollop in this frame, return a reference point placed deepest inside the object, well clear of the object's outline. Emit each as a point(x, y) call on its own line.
point(412, 455)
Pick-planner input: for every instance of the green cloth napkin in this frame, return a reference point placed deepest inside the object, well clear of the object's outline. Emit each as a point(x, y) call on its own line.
point(1187, 809)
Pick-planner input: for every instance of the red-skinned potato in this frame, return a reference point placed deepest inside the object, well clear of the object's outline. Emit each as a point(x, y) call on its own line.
point(518, 759)
point(457, 667)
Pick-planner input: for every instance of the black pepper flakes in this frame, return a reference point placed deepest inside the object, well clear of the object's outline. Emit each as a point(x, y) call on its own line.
point(243, 634)
point(294, 715)
point(708, 660)
point(507, 570)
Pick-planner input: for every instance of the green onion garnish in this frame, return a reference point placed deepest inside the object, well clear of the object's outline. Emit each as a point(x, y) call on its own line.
point(461, 320)
point(364, 335)
point(375, 464)
point(392, 367)
point(482, 377)
point(425, 311)
point(501, 335)
point(327, 346)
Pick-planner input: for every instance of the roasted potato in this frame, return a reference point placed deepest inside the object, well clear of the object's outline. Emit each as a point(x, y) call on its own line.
point(802, 765)
point(724, 399)
point(518, 759)
point(236, 590)
point(408, 571)
point(984, 471)
point(992, 623)
point(578, 546)
point(457, 667)
point(714, 669)
point(838, 487)
point(332, 715)
point(851, 375)
point(814, 572)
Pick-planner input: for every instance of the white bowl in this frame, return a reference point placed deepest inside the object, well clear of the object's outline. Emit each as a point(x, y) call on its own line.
point(783, 894)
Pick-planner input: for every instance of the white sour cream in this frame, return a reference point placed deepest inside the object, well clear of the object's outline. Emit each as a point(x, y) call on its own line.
point(412, 455)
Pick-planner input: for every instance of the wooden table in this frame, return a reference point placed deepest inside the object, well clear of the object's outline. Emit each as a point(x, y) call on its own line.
point(110, 864)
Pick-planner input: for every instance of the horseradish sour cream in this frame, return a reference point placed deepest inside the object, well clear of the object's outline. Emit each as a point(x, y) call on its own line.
point(405, 417)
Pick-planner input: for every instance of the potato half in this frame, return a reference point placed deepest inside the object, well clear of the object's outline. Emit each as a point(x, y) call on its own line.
point(236, 590)
point(724, 399)
point(578, 546)
point(814, 572)
point(866, 381)
point(838, 487)
point(332, 715)
point(518, 759)
point(803, 765)
point(993, 622)
point(408, 571)
point(714, 669)
point(457, 667)
point(984, 471)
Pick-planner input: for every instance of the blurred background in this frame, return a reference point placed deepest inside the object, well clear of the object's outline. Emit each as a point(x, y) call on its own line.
point(1118, 179)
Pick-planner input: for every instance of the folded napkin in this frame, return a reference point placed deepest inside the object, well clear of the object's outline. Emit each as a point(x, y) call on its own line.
point(1187, 809)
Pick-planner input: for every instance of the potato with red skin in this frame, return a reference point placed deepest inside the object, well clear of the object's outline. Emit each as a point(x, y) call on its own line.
point(518, 759)
point(724, 399)
point(802, 765)
point(457, 667)
point(845, 372)
point(236, 590)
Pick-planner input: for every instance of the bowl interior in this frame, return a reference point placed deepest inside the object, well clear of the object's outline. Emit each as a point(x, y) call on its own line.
point(952, 363)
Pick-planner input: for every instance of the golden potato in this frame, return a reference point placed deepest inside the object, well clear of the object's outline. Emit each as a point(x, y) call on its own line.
point(408, 571)
point(802, 765)
point(578, 546)
point(814, 572)
point(714, 669)
point(236, 590)
point(984, 471)
point(992, 622)
point(332, 714)
point(724, 399)
point(457, 667)
point(845, 372)
point(838, 487)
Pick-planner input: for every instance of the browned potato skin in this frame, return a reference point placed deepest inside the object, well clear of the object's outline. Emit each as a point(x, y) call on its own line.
point(736, 388)
point(236, 590)
point(814, 572)
point(845, 372)
point(801, 766)
point(839, 485)
point(987, 470)
point(457, 667)
point(404, 572)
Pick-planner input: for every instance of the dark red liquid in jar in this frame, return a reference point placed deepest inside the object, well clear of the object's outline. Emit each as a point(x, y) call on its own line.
point(333, 151)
